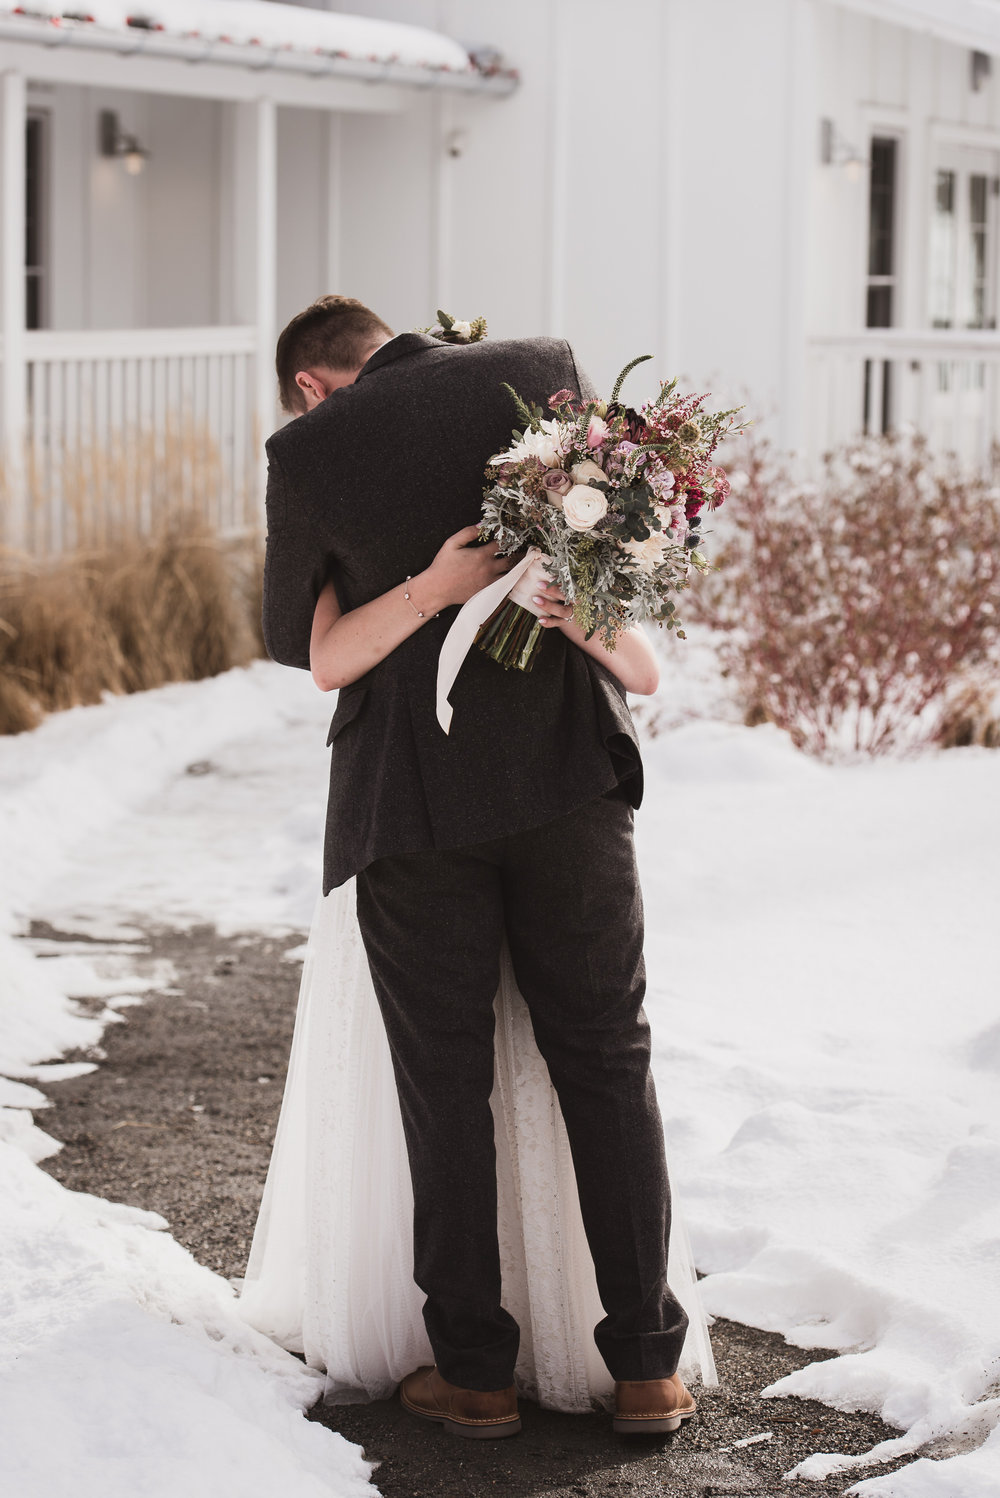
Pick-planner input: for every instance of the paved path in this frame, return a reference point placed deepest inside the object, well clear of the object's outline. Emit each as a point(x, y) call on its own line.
point(179, 1119)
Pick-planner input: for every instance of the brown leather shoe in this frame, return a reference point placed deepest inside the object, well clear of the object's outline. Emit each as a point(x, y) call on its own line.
point(651, 1406)
point(463, 1412)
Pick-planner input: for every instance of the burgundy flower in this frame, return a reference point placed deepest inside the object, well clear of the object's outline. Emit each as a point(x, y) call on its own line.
point(561, 398)
point(694, 502)
point(636, 429)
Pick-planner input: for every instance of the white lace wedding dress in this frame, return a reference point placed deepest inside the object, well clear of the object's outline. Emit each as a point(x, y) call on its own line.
point(330, 1269)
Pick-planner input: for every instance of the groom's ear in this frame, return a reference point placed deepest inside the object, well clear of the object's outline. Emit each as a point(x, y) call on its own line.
point(317, 383)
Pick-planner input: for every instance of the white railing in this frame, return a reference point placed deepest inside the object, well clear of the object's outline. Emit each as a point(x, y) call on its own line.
point(941, 383)
point(124, 426)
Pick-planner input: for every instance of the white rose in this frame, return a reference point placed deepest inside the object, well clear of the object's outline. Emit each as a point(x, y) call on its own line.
point(647, 554)
point(583, 507)
point(462, 330)
point(582, 473)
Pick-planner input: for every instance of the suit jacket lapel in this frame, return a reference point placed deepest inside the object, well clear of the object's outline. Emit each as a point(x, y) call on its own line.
point(399, 347)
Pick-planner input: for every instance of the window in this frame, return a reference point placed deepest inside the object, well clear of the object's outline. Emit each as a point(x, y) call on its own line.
point(881, 277)
point(963, 240)
point(36, 227)
point(944, 250)
point(978, 306)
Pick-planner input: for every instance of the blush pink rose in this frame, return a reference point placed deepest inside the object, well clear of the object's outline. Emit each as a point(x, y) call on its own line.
point(597, 430)
point(588, 471)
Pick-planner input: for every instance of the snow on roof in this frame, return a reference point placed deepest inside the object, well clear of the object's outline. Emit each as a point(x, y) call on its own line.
point(968, 23)
point(253, 24)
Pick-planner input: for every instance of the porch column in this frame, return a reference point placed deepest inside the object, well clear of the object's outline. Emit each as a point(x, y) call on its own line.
point(266, 258)
point(799, 145)
point(13, 370)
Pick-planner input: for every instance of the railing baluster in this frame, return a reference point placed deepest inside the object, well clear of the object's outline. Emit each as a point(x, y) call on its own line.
point(124, 422)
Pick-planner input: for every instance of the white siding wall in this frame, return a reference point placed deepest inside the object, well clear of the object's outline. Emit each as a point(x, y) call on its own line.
point(305, 179)
point(180, 212)
point(632, 196)
point(125, 251)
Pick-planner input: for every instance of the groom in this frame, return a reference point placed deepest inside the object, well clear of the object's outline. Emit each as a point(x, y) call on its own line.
point(517, 823)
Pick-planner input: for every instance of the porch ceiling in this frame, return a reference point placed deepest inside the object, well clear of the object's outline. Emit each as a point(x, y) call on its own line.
point(267, 40)
point(969, 23)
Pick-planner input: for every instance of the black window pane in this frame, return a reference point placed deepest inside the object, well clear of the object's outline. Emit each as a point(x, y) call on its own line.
point(882, 206)
point(33, 227)
point(33, 303)
point(879, 307)
point(34, 220)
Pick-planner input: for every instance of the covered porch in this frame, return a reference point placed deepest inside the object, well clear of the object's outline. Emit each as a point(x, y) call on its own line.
point(943, 386)
point(137, 328)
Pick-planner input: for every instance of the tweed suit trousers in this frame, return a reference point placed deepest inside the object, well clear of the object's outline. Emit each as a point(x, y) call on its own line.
point(433, 922)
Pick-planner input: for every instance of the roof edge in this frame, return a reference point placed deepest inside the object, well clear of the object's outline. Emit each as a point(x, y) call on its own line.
point(966, 23)
point(83, 33)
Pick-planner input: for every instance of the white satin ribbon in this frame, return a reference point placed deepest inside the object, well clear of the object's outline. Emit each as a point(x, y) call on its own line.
point(459, 639)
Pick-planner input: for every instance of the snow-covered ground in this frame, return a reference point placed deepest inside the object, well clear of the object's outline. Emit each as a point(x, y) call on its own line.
point(823, 989)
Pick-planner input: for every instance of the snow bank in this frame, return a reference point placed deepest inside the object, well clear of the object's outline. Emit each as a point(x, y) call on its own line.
point(82, 773)
point(823, 995)
point(822, 960)
point(133, 1357)
point(114, 1337)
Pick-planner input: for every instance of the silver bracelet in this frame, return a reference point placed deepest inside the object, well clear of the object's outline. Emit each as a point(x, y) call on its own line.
point(406, 594)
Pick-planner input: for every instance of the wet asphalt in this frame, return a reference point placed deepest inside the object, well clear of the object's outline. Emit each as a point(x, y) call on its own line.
point(179, 1118)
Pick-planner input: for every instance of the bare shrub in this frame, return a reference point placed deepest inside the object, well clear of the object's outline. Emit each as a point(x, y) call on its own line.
point(854, 608)
point(173, 607)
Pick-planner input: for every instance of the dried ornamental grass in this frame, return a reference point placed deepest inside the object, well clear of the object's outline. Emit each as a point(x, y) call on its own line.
point(857, 608)
point(137, 615)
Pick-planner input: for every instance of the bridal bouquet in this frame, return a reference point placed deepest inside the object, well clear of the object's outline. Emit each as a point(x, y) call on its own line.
point(612, 498)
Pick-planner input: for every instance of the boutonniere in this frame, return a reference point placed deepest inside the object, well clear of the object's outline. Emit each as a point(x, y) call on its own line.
point(450, 329)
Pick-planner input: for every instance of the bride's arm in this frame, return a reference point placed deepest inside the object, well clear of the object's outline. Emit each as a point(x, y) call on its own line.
point(633, 660)
point(344, 647)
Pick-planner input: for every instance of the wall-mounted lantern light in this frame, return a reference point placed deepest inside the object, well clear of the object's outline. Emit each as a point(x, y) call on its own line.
point(980, 70)
point(114, 142)
point(834, 150)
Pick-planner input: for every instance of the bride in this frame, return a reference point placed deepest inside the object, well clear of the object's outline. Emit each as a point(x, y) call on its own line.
point(330, 1273)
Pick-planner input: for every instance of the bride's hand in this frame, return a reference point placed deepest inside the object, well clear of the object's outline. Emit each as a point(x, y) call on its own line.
point(536, 592)
point(461, 569)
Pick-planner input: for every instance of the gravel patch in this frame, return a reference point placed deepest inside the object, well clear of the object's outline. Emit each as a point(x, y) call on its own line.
point(179, 1119)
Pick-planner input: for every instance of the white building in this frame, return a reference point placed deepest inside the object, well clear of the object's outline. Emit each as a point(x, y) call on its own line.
point(792, 202)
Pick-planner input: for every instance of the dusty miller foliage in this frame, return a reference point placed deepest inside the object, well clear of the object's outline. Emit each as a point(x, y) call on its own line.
point(858, 608)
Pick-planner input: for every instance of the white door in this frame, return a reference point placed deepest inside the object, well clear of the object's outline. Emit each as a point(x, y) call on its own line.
point(962, 290)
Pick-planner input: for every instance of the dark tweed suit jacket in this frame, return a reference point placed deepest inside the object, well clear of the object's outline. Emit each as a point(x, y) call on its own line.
point(365, 489)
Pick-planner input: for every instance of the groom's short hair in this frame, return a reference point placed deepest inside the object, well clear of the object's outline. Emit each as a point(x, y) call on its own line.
point(336, 332)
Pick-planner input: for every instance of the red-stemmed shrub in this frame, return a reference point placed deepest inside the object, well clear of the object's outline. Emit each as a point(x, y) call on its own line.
point(856, 609)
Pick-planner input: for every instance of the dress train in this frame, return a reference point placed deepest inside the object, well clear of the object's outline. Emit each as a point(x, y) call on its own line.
point(330, 1271)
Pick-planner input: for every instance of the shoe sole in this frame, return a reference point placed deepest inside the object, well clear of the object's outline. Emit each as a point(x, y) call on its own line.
point(485, 1430)
point(650, 1425)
